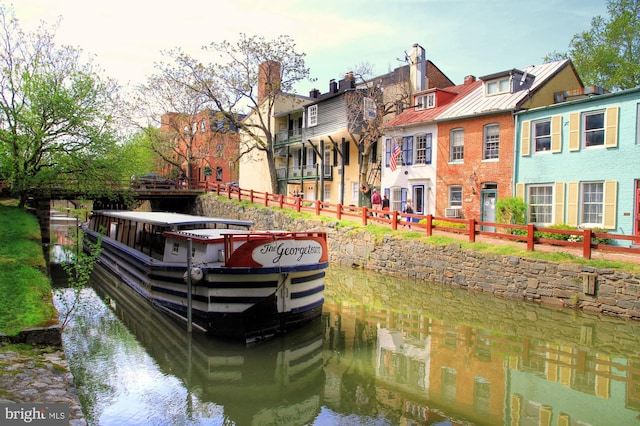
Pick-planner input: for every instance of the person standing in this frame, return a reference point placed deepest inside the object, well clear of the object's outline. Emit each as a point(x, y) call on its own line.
point(408, 209)
point(385, 205)
point(376, 201)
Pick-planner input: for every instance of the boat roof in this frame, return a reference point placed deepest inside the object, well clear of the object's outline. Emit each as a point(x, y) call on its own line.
point(170, 219)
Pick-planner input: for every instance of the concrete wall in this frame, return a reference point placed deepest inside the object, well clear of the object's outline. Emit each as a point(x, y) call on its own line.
point(558, 284)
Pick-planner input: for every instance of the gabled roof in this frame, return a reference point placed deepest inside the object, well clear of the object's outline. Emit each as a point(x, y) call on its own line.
point(471, 100)
point(477, 102)
point(416, 116)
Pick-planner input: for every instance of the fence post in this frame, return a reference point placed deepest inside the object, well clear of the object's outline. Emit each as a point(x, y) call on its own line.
point(394, 217)
point(531, 233)
point(298, 202)
point(586, 243)
point(429, 225)
point(365, 213)
point(472, 230)
point(266, 199)
point(280, 201)
point(339, 211)
point(251, 196)
point(317, 207)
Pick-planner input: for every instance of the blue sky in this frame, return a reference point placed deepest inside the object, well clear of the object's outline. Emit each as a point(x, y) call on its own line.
point(461, 37)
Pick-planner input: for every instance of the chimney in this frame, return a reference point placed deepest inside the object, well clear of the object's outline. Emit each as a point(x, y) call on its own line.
point(468, 79)
point(333, 86)
point(349, 82)
point(314, 93)
point(269, 79)
point(418, 69)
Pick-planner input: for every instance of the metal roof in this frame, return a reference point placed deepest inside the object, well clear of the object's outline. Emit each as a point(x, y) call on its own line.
point(477, 103)
point(167, 219)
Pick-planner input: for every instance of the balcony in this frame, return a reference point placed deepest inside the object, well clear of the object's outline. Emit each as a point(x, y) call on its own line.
point(298, 172)
point(289, 136)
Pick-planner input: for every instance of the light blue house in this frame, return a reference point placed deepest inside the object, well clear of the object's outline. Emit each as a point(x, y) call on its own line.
point(577, 162)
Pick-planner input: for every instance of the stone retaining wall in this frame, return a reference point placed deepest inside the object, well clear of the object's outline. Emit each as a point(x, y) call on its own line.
point(560, 284)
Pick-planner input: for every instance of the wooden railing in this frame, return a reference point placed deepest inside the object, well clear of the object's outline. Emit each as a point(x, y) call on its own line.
point(582, 239)
point(585, 240)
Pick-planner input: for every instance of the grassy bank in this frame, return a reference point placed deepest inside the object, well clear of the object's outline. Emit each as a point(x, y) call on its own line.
point(25, 288)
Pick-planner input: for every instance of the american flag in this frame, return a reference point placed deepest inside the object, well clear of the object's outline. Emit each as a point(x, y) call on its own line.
point(395, 153)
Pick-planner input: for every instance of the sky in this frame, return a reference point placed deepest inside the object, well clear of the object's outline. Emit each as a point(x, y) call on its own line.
point(461, 37)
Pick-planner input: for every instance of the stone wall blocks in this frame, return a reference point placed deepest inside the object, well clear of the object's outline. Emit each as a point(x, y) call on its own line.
point(540, 281)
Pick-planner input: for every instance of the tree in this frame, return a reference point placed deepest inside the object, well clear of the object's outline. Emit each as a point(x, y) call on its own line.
point(56, 119)
point(231, 86)
point(608, 55)
point(373, 102)
point(170, 111)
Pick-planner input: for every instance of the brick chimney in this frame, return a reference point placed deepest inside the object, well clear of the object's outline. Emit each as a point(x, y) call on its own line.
point(468, 79)
point(269, 79)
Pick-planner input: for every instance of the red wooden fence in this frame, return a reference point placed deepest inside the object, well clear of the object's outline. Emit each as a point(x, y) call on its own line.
point(579, 238)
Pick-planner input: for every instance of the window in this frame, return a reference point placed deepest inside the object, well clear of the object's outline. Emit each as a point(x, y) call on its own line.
point(592, 198)
point(456, 144)
point(175, 249)
point(491, 149)
point(355, 193)
point(369, 109)
point(426, 101)
point(203, 126)
point(407, 150)
point(455, 196)
point(423, 149)
point(638, 124)
point(542, 135)
point(327, 166)
point(540, 204)
point(312, 116)
point(593, 129)
point(496, 87)
point(327, 191)
point(219, 174)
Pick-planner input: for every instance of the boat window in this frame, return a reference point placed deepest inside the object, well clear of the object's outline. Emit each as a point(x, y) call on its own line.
point(176, 248)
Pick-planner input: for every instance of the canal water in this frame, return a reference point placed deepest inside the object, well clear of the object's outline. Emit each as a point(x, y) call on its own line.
point(387, 351)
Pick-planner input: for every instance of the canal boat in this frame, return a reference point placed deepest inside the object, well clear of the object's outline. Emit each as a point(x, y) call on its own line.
point(244, 284)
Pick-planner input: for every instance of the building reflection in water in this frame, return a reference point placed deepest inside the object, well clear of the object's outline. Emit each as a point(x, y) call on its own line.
point(424, 353)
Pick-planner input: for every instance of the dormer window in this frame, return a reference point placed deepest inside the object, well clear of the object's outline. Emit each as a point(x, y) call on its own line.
point(498, 86)
point(426, 101)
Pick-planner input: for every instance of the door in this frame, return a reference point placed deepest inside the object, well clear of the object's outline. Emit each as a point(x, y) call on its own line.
point(418, 199)
point(636, 231)
point(488, 208)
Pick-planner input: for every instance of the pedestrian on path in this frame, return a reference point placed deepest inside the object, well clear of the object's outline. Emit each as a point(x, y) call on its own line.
point(376, 201)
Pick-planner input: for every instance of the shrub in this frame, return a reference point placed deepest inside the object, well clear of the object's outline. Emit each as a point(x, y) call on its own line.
point(444, 223)
point(511, 210)
point(558, 236)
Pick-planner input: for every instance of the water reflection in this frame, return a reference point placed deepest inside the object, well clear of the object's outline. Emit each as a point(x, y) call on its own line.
point(145, 369)
point(435, 352)
point(386, 351)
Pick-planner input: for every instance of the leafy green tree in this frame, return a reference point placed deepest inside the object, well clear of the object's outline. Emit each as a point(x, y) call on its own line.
point(57, 120)
point(608, 55)
point(231, 86)
point(511, 210)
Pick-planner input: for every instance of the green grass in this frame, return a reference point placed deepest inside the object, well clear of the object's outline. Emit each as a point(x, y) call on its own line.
point(25, 288)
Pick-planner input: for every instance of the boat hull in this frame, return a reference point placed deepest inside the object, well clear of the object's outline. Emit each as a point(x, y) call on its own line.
point(245, 303)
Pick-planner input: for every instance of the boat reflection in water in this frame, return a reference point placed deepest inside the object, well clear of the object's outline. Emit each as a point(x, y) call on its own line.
point(279, 381)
